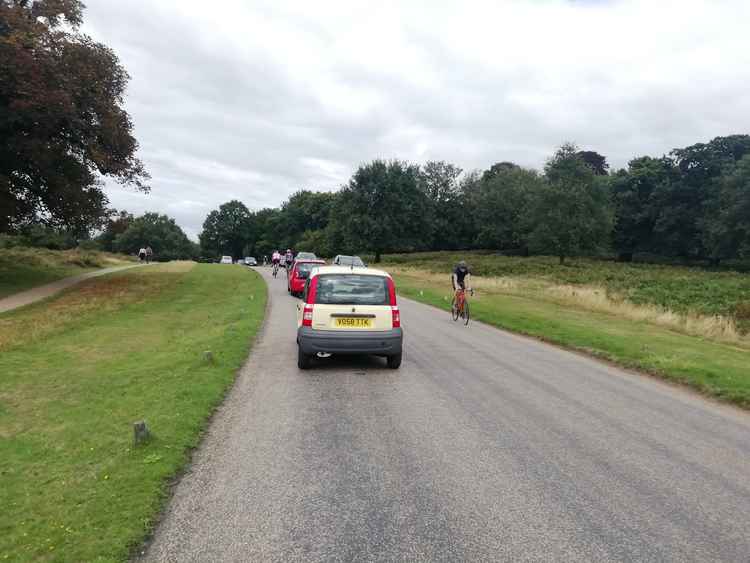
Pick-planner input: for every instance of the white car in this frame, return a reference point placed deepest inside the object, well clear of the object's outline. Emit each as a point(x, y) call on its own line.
point(356, 261)
point(250, 261)
point(226, 260)
point(346, 310)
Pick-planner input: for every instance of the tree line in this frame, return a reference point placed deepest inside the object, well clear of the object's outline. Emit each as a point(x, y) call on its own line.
point(692, 204)
point(63, 127)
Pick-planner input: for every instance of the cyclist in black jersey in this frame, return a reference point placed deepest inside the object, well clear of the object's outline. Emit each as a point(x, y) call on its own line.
point(461, 277)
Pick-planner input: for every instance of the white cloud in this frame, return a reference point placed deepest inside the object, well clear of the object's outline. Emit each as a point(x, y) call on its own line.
point(258, 99)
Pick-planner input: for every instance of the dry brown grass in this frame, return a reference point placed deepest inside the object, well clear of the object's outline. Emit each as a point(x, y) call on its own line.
point(63, 258)
point(95, 296)
point(596, 299)
point(716, 327)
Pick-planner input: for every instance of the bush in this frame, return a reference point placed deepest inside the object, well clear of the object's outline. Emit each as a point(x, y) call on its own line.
point(43, 236)
point(742, 315)
point(11, 241)
point(89, 245)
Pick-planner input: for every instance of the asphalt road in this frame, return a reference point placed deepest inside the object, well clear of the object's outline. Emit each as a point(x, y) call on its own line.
point(484, 446)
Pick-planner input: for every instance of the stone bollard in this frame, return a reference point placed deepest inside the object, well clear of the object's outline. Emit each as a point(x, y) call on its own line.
point(208, 355)
point(141, 432)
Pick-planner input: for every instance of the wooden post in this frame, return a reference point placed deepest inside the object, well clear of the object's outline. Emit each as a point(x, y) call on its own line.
point(141, 432)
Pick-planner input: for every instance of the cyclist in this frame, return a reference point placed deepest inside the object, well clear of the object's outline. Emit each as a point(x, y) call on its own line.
point(289, 259)
point(461, 278)
point(275, 260)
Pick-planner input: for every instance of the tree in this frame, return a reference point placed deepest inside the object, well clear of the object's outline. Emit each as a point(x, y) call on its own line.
point(383, 209)
point(595, 161)
point(439, 182)
point(635, 203)
point(227, 230)
point(501, 206)
point(62, 124)
point(684, 203)
point(572, 214)
point(498, 168)
point(725, 227)
point(304, 211)
point(117, 224)
point(316, 241)
point(161, 233)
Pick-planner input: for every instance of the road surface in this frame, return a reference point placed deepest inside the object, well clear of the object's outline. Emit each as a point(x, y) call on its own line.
point(484, 446)
point(40, 292)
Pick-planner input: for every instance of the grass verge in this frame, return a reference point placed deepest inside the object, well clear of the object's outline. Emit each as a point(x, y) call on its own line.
point(72, 485)
point(687, 291)
point(22, 268)
point(717, 369)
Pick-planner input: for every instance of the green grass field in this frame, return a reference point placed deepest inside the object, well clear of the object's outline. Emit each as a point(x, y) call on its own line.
point(718, 369)
point(22, 268)
point(675, 288)
point(78, 370)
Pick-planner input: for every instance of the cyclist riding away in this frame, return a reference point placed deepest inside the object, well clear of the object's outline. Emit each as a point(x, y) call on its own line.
point(275, 260)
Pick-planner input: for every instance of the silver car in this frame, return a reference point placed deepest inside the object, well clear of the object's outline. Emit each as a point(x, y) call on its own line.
point(353, 261)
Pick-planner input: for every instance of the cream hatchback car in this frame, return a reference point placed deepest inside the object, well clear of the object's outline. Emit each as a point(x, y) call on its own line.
point(348, 310)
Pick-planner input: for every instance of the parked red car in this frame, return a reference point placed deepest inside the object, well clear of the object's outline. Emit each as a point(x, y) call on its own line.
point(299, 274)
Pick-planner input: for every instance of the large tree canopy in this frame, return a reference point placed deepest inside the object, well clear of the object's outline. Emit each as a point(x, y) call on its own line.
point(382, 208)
point(161, 233)
point(572, 214)
point(502, 206)
point(634, 192)
point(595, 161)
point(227, 230)
point(439, 181)
point(62, 124)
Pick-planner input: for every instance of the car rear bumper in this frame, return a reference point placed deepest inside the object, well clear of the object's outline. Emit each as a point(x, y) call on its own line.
point(380, 343)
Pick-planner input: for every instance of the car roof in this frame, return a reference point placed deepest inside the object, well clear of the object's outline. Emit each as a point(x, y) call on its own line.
point(350, 270)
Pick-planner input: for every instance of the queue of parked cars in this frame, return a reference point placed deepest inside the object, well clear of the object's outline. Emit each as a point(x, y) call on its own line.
point(344, 308)
point(246, 261)
point(348, 310)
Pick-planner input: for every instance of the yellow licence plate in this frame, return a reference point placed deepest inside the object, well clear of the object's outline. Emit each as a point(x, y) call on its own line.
point(352, 322)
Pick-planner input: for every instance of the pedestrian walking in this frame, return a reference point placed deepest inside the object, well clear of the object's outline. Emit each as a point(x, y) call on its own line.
point(142, 254)
point(149, 254)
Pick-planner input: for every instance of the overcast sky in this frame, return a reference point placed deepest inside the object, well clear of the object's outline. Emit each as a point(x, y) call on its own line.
point(253, 100)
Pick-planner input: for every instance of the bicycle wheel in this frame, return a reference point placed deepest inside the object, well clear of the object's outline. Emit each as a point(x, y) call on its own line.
point(454, 309)
point(466, 312)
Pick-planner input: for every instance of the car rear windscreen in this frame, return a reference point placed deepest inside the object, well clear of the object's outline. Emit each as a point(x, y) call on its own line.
point(350, 261)
point(302, 267)
point(352, 289)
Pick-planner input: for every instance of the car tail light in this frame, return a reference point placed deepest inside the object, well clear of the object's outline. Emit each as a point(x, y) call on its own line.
point(312, 290)
point(395, 313)
point(307, 315)
point(307, 312)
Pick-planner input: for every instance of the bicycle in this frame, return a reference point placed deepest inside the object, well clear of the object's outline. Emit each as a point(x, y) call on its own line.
point(275, 268)
point(460, 306)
